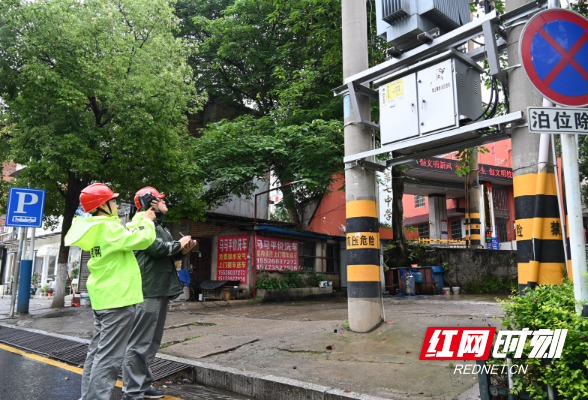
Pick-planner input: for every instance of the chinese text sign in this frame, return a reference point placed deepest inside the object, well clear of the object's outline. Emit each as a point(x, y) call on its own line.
point(273, 254)
point(232, 258)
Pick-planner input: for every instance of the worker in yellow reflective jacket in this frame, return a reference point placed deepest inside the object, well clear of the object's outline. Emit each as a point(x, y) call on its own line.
point(114, 284)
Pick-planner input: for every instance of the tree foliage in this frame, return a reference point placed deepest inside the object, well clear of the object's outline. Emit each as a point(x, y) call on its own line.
point(274, 63)
point(97, 91)
point(234, 152)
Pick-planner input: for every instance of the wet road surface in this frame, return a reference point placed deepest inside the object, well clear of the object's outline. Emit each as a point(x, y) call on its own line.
point(26, 376)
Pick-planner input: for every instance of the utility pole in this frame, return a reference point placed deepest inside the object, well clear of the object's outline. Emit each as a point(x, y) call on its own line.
point(473, 218)
point(363, 238)
point(540, 254)
point(573, 199)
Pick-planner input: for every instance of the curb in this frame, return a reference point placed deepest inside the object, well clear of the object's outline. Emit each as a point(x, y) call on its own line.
point(264, 387)
point(258, 386)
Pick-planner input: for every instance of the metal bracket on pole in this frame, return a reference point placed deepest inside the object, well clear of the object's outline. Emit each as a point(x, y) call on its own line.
point(486, 139)
point(372, 166)
point(492, 53)
point(354, 88)
point(478, 128)
point(428, 37)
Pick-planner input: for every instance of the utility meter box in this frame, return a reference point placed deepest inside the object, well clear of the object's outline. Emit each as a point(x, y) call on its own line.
point(435, 98)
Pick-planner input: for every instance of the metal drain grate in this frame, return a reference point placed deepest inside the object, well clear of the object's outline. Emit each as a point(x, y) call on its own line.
point(72, 352)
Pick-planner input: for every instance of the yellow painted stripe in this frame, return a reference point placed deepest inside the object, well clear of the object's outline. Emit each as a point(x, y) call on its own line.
point(64, 366)
point(476, 236)
point(549, 273)
point(363, 240)
point(362, 208)
point(526, 185)
point(43, 359)
point(523, 273)
point(524, 228)
point(533, 271)
point(363, 273)
point(474, 215)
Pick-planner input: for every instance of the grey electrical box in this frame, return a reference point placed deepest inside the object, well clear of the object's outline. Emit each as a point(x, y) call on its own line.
point(433, 99)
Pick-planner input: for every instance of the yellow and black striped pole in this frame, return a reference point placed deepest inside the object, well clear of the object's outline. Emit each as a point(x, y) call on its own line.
point(363, 253)
point(475, 230)
point(538, 229)
point(363, 260)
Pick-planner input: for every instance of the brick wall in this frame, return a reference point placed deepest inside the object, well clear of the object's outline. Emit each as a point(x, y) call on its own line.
point(207, 229)
point(8, 169)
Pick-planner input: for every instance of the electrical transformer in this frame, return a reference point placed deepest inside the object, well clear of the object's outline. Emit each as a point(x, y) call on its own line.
point(425, 101)
point(400, 22)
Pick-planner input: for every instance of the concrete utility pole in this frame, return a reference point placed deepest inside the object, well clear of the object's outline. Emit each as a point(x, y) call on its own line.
point(363, 238)
point(577, 246)
point(541, 258)
point(473, 218)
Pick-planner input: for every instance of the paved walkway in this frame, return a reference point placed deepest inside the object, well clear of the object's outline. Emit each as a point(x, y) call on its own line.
point(307, 341)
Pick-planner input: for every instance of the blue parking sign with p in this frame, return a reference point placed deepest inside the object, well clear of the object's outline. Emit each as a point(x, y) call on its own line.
point(25, 207)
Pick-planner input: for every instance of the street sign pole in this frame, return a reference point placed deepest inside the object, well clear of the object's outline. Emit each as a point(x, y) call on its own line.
point(569, 156)
point(26, 271)
point(22, 232)
point(554, 59)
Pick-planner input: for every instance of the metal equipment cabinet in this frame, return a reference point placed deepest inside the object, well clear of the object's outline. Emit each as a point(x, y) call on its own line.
point(435, 98)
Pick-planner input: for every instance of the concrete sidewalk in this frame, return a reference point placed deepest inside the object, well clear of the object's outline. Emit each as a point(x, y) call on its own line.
point(306, 341)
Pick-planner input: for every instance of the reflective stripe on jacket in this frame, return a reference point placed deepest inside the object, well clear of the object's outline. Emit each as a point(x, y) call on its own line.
point(115, 279)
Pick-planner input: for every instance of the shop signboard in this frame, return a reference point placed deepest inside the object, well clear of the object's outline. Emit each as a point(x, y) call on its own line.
point(232, 258)
point(449, 166)
point(272, 254)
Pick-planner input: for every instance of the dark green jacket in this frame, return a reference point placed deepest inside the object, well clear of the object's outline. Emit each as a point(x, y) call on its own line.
point(158, 273)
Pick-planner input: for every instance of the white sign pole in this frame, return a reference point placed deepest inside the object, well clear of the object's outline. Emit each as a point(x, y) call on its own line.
point(569, 157)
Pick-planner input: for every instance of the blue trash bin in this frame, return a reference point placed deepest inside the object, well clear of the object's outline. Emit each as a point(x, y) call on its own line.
point(438, 273)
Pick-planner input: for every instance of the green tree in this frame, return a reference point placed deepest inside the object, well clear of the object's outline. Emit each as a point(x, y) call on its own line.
point(232, 153)
point(97, 91)
point(274, 63)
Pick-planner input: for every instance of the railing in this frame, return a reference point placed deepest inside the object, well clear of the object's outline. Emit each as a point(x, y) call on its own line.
point(443, 242)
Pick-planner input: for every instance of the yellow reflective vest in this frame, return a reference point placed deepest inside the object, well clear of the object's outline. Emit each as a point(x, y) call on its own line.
point(115, 278)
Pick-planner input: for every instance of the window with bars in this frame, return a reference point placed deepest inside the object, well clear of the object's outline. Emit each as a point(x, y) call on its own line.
point(333, 264)
point(419, 201)
point(423, 231)
point(501, 226)
point(456, 230)
point(307, 255)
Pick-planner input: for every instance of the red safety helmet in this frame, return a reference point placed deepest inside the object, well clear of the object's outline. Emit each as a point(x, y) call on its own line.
point(95, 195)
point(149, 189)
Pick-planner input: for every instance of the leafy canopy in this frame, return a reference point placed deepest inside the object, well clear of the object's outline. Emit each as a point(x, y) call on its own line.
point(274, 63)
point(97, 91)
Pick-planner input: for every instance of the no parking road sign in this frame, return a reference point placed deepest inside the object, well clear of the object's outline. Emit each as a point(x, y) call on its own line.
point(25, 207)
point(554, 54)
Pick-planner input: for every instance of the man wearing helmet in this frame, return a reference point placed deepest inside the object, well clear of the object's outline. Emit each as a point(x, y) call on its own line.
point(114, 284)
point(160, 283)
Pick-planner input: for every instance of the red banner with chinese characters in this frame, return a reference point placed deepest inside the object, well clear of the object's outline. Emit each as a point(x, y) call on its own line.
point(231, 263)
point(448, 165)
point(273, 254)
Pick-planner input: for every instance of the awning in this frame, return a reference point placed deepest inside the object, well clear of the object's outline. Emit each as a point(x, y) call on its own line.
point(47, 249)
point(293, 233)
